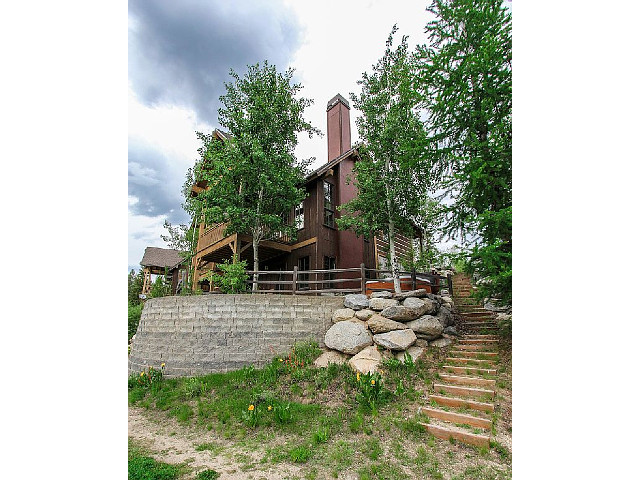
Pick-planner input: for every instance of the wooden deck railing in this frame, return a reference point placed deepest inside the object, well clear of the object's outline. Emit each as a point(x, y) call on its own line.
point(339, 280)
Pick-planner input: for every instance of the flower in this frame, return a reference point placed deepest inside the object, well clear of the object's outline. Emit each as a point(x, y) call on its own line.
point(358, 376)
point(142, 374)
point(280, 359)
point(373, 382)
point(162, 366)
point(251, 407)
point(269, 408)
point(381, 372)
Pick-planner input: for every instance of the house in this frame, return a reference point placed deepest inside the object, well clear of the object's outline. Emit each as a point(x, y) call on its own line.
point(319, 244)
point(163, 261)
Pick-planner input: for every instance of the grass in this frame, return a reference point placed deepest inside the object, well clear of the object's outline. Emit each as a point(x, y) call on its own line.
point(311, 418)
point(143, 467)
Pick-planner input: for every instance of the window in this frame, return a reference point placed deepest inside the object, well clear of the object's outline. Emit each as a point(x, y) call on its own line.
point(329, 205)
point(329, 264)
point(298, 215)
point(303, 264)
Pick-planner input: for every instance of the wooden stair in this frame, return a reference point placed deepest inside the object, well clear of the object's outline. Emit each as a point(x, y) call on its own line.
point(467, 380)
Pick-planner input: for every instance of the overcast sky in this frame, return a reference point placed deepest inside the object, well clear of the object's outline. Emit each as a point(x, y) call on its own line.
point(180, 54)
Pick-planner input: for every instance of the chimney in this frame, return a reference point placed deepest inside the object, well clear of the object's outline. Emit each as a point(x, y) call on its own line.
point(338, 126)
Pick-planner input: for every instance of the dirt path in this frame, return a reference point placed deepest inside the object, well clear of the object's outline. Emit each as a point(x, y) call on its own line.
point(169, 442)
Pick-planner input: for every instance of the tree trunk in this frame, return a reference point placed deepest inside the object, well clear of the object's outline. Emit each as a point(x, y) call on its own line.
point(256, 241)
point(395, 269)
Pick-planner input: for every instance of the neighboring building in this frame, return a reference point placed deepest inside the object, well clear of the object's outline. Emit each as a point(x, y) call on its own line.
point(166, 262)
point(319, 244)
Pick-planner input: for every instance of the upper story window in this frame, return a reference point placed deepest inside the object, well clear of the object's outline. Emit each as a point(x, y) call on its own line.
point(329, 205)
point(298, 215)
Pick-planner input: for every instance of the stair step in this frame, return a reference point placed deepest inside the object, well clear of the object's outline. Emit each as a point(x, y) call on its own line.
point(447, 433)
point(481, 337)
point(455, 417)
point(480, 324)
point(468, 360)
point(477, 348)
point(488, 355)
point(462, 402)
point(470, 381)
point(470, 370)
point(478, 341)
point(463, 391)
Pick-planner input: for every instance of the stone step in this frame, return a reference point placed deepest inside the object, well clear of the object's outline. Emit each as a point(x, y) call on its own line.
point(481, 337)
point(470, 370)
point(476, 316)
point(478, 355)
point(480, 324)
point(469, 381)
point(455, 417)
point(462, 402)
point(468, 360)
point(445, 433)
point(463, 391)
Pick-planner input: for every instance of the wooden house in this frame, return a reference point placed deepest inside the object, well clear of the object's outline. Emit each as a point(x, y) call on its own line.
point(166, 262)
point(319, 243)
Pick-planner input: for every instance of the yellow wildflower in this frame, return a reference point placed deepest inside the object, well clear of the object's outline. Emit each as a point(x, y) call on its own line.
point(162, 366)
point(251, 407)
point(358, 376)
point(142, 374)
point(373, 382)
point(280, 359)
point(269, 408)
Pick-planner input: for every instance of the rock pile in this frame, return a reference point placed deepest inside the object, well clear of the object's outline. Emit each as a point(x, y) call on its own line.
point(368, 330)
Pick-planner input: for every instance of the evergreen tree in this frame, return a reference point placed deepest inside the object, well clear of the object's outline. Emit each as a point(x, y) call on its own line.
point(465, 80)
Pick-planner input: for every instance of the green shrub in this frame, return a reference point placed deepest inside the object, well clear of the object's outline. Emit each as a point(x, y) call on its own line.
point(233, 279)
point(300, 454)
point(142, 467)
point(135, 311)
point(207, 475)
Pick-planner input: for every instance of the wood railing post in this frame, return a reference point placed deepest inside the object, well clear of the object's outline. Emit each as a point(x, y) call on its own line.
point(450, 284)
point(413, 278)
point(295, 279)
point(363, 283)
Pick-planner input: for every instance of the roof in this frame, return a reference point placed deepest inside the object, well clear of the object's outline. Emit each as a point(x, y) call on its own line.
point(161, 257)
point(319, 171)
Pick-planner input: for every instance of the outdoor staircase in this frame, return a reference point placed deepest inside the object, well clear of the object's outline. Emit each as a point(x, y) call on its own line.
point(463, 401)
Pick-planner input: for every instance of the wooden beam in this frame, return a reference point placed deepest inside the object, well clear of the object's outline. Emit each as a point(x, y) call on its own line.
point(304, 243)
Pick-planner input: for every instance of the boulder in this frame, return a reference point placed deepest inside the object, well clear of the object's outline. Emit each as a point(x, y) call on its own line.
point(382, 303)
point(368, 360)
point(383, 294)
point(427, 326)
point(349, 337)
point(446, 299)
point(330, 356)
point(356, 301)
point(421, 342)
point(404, 313)
point(420, 293)
point(451, 330)
point(445, 316)
point(430, 306)
point(503, 317)
point(365, 314)
point(342, 314)
point(441, 342)
point(396, 339)
point(415, 352)
point(379, 324)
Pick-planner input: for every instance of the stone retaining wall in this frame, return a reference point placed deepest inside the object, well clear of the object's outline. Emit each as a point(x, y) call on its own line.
point(216, 333)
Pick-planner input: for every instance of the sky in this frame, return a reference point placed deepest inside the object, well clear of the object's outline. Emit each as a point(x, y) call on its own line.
point(180, 55)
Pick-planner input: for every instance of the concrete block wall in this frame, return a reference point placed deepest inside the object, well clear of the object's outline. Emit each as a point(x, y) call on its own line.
point(202, 334)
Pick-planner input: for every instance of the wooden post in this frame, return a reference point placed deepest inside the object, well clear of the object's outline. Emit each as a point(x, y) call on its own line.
point(295, 279)
point(413, 278)
point(450, 284)
point(363, 283)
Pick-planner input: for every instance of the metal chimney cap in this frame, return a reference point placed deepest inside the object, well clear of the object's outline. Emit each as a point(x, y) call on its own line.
point(335, 100)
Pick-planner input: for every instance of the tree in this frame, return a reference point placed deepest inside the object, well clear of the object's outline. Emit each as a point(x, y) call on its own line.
point(390, 178)
point(465, 80)
point(253, 176)
point(135, 282)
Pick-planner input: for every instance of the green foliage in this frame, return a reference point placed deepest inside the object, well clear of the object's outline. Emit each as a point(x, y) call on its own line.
point(390, 176)
point(254, 177)
point(207, 475)
point(149, 379)
point(135, 311)
point(370, 388)
point(465, 82)
point(135, 282)
point(143, 467)
point(233, 278)
point(300, 454)
point(159, 288)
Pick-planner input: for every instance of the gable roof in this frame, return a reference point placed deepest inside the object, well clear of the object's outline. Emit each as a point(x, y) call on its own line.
point(161, 257)
point(319, 171)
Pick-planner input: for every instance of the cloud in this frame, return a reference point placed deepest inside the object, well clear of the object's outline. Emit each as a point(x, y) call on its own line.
point(181, 52)
point(154, 184)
